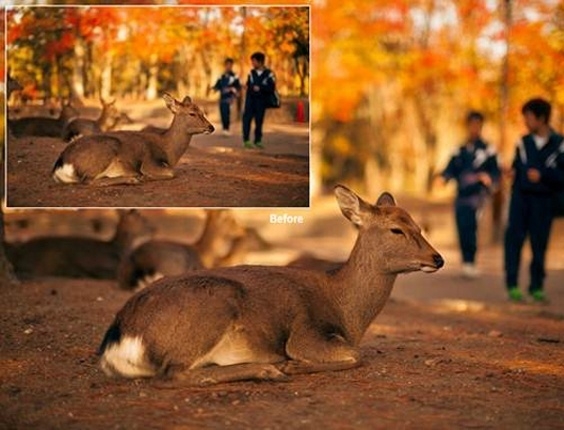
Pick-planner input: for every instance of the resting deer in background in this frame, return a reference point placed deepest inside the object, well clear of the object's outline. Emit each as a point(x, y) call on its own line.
point(260, 322)
point(79, 257)
point(42, 126)
point(128, 157)
point(11, 86)
point(108, 119)
point(155, 259)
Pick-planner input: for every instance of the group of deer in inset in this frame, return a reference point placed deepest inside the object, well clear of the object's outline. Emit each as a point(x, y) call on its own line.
point(99, 154)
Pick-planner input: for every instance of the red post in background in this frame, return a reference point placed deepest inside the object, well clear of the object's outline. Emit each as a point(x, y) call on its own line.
point(300, 112)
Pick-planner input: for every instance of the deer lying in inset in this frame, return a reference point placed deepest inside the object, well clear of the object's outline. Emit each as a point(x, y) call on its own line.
point(128, 157)
point(108, 119)
point(155, 259)
point(79, 257)
point(260, 322)
point(42, 126)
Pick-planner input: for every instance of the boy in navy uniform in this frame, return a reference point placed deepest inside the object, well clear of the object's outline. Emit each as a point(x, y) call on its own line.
point(260, 85)
point(475, 168)
point(538, 173)
point(228, 86)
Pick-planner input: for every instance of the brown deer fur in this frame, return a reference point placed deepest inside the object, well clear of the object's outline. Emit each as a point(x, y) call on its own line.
point(260, 322)
point(157, 258)
point(79, 257)
point(128, 157)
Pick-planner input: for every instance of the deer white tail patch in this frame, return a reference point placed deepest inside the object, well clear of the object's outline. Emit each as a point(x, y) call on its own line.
point(126, 358)
point(65, 174)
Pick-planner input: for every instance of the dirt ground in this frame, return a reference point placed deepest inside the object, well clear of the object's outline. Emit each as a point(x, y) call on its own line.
point(444, 353)
point(214, 172)
point(425, 366)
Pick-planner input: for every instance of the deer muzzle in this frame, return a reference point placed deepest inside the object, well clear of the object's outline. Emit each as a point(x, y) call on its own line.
point(437, 263)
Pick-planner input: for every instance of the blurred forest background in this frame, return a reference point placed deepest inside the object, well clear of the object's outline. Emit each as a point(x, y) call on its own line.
point(391, 80)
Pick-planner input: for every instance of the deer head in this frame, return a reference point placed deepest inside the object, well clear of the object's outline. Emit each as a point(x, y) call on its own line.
point(192, 119)
point(387, 230)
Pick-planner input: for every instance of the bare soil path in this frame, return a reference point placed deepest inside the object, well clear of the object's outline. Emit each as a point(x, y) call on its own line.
point(215, 172)
point(425, 366)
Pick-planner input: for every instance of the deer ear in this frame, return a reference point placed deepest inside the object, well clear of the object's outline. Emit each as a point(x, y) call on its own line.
point(352, 206)
point(386, 199)
point(171, 102)
point(186, 100)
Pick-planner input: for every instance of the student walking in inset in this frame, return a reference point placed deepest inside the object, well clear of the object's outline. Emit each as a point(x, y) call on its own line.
point(228, 86)
point(260, 86)
point(475, 169)
point(538, 174)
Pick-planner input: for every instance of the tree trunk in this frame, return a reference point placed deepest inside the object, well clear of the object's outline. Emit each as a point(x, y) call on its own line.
point(499, 195)
point(77, 83)
point(106, 76)
point(152, 81)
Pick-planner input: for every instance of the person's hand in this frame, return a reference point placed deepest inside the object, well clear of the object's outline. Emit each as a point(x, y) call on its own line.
point(533, 175)
point(485, 179)
point(256, 88)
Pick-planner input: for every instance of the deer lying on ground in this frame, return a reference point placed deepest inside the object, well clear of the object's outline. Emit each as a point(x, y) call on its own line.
point(128, 157)
point(155, 259)
point(108, 119)
point(42, 126)
point(260, 322)
point(79, 257)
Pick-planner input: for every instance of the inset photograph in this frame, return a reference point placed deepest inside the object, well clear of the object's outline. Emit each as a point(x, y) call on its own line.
point(114, 106)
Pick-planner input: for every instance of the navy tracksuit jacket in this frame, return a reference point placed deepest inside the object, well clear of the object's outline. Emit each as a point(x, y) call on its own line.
point(226, 81)
point(530, 209)
point(255, 102)
point(464, 166)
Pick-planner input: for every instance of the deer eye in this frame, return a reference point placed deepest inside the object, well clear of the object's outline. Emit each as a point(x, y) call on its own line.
point(396, 231)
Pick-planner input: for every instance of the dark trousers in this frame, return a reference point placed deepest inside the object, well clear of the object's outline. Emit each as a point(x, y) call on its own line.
point(529, 215)
point(254, 109)
point(467, 226)
point(225, 112)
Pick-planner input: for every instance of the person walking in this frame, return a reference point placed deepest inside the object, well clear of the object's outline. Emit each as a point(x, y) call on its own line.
point(261, 84)
point(475, 169)
point(229, 87)
point(538, 174)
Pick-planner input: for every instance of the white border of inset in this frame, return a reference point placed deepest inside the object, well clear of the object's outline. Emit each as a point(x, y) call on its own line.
point(306, 4)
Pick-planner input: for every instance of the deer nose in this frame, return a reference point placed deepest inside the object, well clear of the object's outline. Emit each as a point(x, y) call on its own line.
point(439, 262)
point(211, 128)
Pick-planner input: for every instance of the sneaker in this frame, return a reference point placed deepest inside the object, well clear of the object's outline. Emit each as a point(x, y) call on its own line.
point(515, 294)
point(226, 133)
point(247, 144)
point(469, 271)
point(538, 296)
point(259, 145)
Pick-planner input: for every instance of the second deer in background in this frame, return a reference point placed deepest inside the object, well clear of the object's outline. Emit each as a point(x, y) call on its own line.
point(222, 237)
point(42, 126)
point(79, 257)
point(108, 119)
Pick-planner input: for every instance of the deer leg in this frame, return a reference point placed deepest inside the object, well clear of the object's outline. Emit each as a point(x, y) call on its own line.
point(217, 374)
point(311, 351)
point(153, 172)
point(120, 180)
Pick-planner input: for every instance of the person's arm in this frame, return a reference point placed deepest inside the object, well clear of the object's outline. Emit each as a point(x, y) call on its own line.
point(491, 174)
point(217, 85)
point(553, 173)
point(237, 84)
point(451, 170)
point(269, 84)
